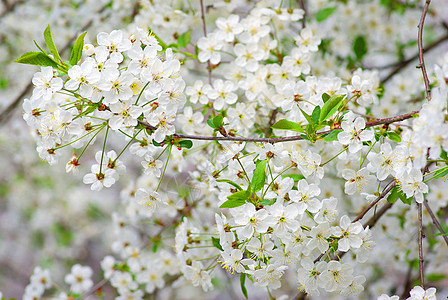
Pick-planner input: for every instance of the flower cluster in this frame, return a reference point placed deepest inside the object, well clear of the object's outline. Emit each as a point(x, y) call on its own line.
point(295, 141)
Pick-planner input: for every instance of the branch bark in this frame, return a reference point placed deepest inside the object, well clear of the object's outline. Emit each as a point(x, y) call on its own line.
point(420, 49)
point(280, 139)
point(436, 222)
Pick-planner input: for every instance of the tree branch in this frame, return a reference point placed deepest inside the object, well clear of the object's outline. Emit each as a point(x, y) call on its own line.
point(388, 188)
point(420, 242)
point(302, 6)
point(420, 50)
point(402, 64)
point(204, 28)
point(280, 139)
point(436, 222)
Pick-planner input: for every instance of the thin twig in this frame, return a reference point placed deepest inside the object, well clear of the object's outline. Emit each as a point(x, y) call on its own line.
point(436, 222)
point(94, 288)
point(280, 139)
point(407, 282)
point(302, 6)
point(402, 64)
point(204, 28)
point(388, 188)
point(372, 221)
point(271, 121)
point(364, 115)
point(420, 243)
point(420, 50)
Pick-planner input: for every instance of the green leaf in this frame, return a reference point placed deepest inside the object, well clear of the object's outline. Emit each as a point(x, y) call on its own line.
point(186, 144)
point(217, 121)
point(157, 144)
point(325, 97)
point(309, 130)
point(330, 107)
point(40, 48)
point(216, 243)
point(37, 59)
point(230, 182)
point(287, 125)
point(266, 202)
point(443, 155)
point(324, 13)
point(393, 196)
point(394, 136)
point(440, 173)
point(184, 39)
point(403, 198)
point(76, 54)
point(296, 177)
point(210, 123)
point(236, 199)
point(50, 43)
point(259, 176)
point(435, 277)
point(360, 47)
point(156, 242)
point(332, 136)
point(242, 283)
point(307, 117)
point(316, 114)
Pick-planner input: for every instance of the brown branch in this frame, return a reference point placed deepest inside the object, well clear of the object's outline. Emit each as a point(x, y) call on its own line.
point(280, 139)
point(388, 188)
point(204, 28)
point(302, 6)
point(420, 50)
point(408, 282)
point(94, 288)
point(436, 222)
point(271, 121)
point(372, 221)
point(420, 243)
point(402, 64)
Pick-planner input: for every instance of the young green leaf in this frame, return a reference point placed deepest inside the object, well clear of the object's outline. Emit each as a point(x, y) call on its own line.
point(76, 54)
point(266, 202)
point(186, 144)
point(216, 243)
point(210, 123)
point(295, 177)
point(259, 176)
point(440, 173)
point(403, 198)
point(236, 199)
point(394, 136)
point(242, 283)
point(330, 107)
point(230, 182)
point(393, 196)
point(325, 97)
point(307, 117)
point(316, 114)
point(324, 13)
point(50, 43)
point(37, 59)
point(288, 125)
point(332, 136)
point(217, 121)
point(184, 39)
point(360, 47)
